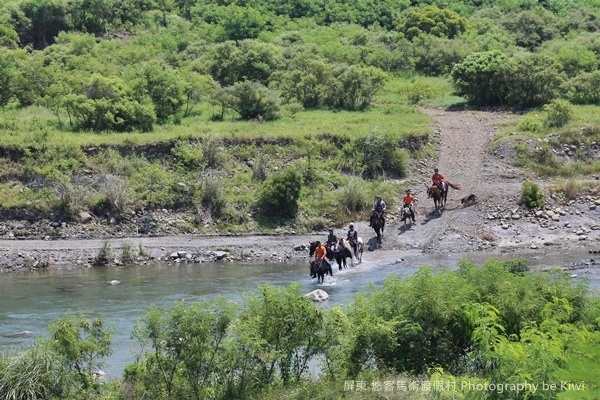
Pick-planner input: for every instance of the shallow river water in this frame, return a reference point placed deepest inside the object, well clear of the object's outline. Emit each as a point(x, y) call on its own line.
point(29, 301)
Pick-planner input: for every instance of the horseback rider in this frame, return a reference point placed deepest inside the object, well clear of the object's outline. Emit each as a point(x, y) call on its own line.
point(332, 241)
point(438, 180)
point(321, 253)
point(353, 238)
point(378, 210)
point(409, 200)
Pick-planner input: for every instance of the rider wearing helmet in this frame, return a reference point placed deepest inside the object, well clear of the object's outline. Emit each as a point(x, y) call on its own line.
point(438, 179)
point(378, 210)
point(353, 238)
point(409, 200)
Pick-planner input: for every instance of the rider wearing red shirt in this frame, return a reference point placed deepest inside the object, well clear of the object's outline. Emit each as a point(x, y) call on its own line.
point(437, 178)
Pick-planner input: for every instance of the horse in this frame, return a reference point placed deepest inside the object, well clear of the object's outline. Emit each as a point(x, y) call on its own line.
point(434, 192)
point(405, 214)
point(345, 251)
point(440, 196)
point(318, 269)
point(331, 255)
point(360, 248)
point(378, 225)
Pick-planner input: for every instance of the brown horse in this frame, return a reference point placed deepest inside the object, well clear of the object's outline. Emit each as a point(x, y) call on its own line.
point(434, 192)
point(440, 196)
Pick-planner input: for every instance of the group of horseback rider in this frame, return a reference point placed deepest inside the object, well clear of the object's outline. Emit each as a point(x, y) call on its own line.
point(377, 212)
point(333, 243)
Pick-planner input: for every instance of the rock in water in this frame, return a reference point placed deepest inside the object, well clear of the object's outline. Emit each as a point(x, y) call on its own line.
point(317, 295)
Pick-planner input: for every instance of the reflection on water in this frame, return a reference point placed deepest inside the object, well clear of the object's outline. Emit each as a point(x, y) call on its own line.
point(32, 300)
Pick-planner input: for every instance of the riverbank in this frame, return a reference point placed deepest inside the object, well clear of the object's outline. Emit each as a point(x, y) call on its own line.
point(495, 224)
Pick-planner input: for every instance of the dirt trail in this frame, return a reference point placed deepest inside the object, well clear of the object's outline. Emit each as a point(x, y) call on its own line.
point(463, 159)
point(495, 224)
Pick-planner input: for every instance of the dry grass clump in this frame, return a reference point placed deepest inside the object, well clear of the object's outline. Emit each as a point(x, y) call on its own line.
point(488, 236)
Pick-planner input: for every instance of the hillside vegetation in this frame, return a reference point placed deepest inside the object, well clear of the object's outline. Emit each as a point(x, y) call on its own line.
point(261, 114)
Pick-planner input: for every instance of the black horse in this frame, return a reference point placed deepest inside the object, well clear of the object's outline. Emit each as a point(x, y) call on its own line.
point(378, 225)
point(331, 255)
point(345, 252)
point(318, 269)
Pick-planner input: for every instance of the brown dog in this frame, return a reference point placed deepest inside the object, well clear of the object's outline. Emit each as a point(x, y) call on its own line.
point(468, 200)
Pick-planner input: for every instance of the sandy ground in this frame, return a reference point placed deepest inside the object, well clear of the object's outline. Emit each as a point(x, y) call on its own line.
point(495, 225)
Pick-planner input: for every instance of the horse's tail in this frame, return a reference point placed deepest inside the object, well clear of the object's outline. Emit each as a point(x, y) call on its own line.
point(453, 186)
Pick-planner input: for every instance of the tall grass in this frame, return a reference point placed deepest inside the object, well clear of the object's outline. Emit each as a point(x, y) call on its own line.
point(35, 373)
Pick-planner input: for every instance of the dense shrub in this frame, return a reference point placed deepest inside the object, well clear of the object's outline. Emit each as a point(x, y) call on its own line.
point(280, 194)
point(354, 87)
point(585, 88)
point(559, 113)
point(374, 154)
point(434, 21)
point(252, 100)
point(107, 104)
point(481, 77)
point(531, 195)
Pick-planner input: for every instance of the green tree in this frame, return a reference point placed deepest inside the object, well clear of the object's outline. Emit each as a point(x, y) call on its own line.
point(91, 16)
point(8, 37)
point(163, 86)
point(437, 56)
point(83, 343)
point(440, 22)
point(32, 80)
point(108, 104)
point(280, 193)
point(279, 332)
point(481, 78)
point(307, 80)
point(531, 28)
point(229, 62)
point(251, 100)
point(188, 346)
point(354, 87)
point(573, 58)
point(241, 23)
point(8, 73)
point(585, 88)
point(532, 79)
point(40, 21)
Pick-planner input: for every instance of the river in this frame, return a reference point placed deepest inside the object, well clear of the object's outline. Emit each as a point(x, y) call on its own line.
point(30, 301)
